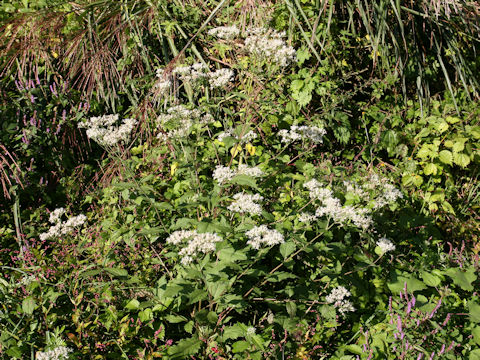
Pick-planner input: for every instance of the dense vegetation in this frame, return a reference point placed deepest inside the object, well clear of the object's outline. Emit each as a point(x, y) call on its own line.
point(192, 179)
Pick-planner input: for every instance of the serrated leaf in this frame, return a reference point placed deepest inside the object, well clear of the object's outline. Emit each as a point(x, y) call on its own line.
point(464, 279)
point(474, 311)
point(233, 332)
point(354, 349)
point(442, 126)
point(430, 169)
point(287, 248)
point(459, 145)
point(240, 346)
point(461, 159)
point(474, 355)
point(185, 348)
point(296, 85)
point(398, 283)
point(446, 157)
point(175, 319)
point(28, 305)
point(476, 334)
point(118, 272)
point(291, 309)
point(302, 97)
point(132, 304)
point(430, 279)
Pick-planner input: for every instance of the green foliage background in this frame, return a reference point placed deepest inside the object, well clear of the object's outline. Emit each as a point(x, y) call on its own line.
point(393, 83)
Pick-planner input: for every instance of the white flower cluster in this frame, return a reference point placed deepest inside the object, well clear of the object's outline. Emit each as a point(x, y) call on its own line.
point(194, 73)
point(191, 73)
point(385, 192)
point(389, 195)
point(178, 119)
point(269, 45)
point(102, 129)
point(337, 298)
point(197, 243)
point(332, 207)
point(246, 203)
point(225, 32)
point(312, 133)
point(60, 227)
point(262, 235)
point(246, 138)
point(223, 174)
point(385, 245)
point(165, 83)
point(307, 217)
point(59, 353)
point(26, 280)
point(356, 190)
point(220, 77)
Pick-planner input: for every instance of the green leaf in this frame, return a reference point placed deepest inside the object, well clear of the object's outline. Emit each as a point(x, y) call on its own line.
point(441, 126)
point(430, 169)
point(459, 146)
point(296, 85)
point(28, 305)
point(233, 332)
point(398, 283)
point(244, 180)
point(132, 304)
point(354, 349)
point(212, 317)
point(117, 272)
point(464, 279)
point(430, 279)
point(287, 248)
point(175, 319)
point(474, 355)
point(240, 346)
point(476, 334)
point(446, 157)
point(145, 315)
point(14, 352)
point(291, 309)
point(461, 159)
point(185, 348)
point(302, 97)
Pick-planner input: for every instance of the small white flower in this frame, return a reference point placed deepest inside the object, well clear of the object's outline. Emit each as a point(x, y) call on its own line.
point(250, 171)
point(223, 174)
point(312, 133)
point(164, 83)
point(339, 293)
point(269, 45)
point(103, 130)
point(59, 353)
point(195, 243)
point(177, 121)
point(246, 203)
point(251, 330)
point(262, 235)
point(385, 245)
point(338, 298)
point(62, 227)
point(220, 78)
point(197, 71)
point(56, 214)
point(307, 217)
point(224, 32)
point(178, 236)
point(248, 137)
